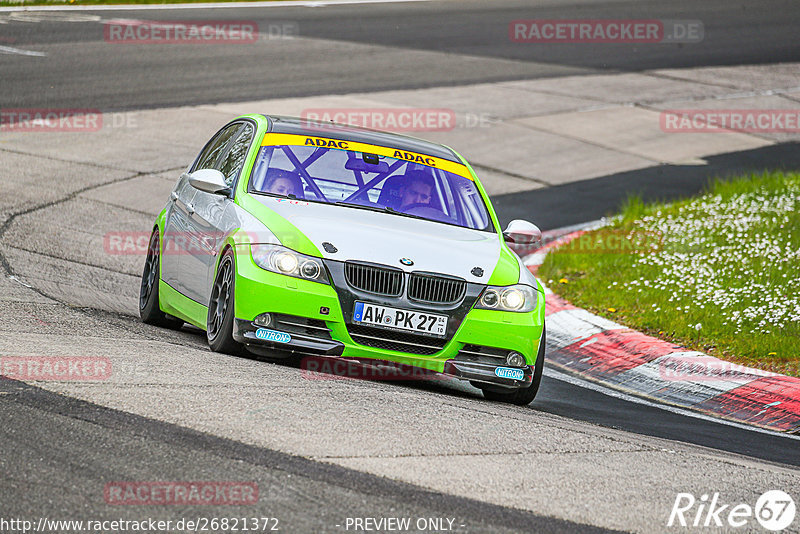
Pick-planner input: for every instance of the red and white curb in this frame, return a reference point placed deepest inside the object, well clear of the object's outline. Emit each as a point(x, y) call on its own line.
point(617, 357)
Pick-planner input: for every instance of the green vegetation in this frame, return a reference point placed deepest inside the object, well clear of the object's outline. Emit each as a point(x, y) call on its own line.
point(719, 273)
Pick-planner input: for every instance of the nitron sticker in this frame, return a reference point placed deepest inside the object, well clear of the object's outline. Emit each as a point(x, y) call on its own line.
point(509, 372)
point(272, 335)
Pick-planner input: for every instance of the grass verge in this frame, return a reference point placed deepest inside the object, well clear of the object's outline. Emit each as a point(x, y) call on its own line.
point(718, 273)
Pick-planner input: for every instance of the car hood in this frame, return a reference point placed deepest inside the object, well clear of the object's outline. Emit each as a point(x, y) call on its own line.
point(365, 235)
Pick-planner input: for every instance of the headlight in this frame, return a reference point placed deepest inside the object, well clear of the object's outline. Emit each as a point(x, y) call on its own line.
point(286, 262)
point(512, 299)
point(518, 298)
point(282, 260)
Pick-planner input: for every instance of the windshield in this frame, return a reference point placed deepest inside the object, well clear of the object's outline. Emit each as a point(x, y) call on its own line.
point(397, 186)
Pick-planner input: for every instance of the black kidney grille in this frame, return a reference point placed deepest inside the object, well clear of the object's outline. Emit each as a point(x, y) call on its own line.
point(435, 289)
point(373, 279)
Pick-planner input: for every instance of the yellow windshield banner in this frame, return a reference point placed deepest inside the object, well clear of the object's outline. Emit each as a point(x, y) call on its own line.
point(276, 139)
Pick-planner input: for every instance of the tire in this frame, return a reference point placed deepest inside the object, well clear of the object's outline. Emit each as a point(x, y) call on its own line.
point(149, 303)
point(522, 397)
point(219, 324)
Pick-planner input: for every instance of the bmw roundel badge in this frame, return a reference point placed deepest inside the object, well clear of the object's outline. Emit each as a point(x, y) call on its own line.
point(406, 261)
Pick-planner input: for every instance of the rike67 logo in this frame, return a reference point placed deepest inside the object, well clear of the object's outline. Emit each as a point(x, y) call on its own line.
point(774, 510)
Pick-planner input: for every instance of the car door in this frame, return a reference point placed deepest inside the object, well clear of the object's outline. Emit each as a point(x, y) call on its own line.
point(204, 223)
point(175, 227)
point(178, 243)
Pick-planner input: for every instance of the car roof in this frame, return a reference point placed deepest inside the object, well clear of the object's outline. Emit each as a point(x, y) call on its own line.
point(312, 128)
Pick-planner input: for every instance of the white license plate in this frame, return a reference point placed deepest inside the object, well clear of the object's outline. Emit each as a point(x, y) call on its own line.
point(412, 321)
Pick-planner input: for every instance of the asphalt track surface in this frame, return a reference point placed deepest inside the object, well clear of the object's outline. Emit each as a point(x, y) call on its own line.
point(588, 200)
point(47, 429)
point(389, 46)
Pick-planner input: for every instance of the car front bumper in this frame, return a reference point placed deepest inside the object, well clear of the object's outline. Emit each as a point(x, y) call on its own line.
point(245, 332)
point(485, 374)
point(259, 291)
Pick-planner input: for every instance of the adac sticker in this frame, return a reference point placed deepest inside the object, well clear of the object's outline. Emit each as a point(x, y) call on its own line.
point(509, 372)
point(276, 139)
point(272, 335)
point(416, 158)
point(326, 143)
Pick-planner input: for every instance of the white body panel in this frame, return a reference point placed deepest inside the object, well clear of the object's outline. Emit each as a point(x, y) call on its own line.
point(385, 238)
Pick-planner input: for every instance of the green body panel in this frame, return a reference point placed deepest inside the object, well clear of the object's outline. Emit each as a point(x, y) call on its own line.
point(286, 232)
point(258, 291)
point(176, 304)
point(506, 272)
point(516, 331)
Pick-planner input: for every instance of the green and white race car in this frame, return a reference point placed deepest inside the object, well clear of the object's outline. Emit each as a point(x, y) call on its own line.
point(319, 239)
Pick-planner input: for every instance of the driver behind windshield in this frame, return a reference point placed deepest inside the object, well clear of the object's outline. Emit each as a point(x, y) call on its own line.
point(417, 190)
point(281, 182)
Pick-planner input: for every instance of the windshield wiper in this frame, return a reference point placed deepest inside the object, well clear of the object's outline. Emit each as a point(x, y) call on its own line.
point(275, 195)
point(290, 196)
point(379, 209)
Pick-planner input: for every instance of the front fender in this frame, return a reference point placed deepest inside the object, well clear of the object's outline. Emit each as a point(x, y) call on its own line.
point(160, 224)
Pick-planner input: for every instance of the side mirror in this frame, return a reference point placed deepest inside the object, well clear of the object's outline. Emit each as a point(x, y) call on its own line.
point(522, 232)
point(210, 181)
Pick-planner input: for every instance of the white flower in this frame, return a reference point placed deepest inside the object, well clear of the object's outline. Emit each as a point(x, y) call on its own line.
point(725, 254)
